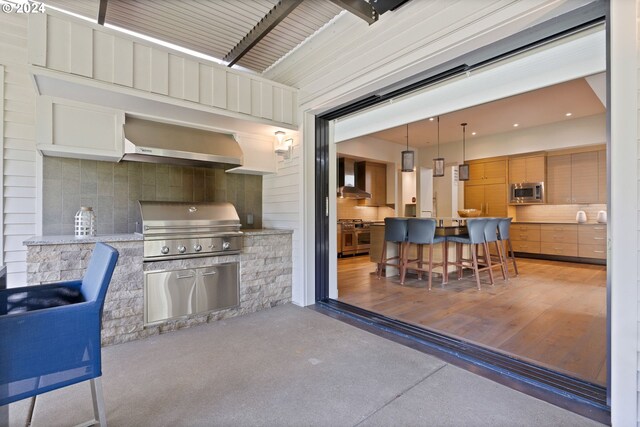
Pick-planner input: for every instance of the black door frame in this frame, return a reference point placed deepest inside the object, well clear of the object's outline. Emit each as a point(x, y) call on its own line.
point(579, 396)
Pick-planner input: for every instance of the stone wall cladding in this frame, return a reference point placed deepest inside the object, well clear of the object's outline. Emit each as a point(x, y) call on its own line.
point(265, 280)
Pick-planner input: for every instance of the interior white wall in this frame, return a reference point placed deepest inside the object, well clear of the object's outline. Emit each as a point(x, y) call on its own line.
point(582, 131)
point(573, 58)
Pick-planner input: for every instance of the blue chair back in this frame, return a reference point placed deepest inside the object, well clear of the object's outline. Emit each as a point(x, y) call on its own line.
point(475, 228)
point(395, 229)
point(491, 230)
point(421, 230)
point(98, 275)
point(503, 228)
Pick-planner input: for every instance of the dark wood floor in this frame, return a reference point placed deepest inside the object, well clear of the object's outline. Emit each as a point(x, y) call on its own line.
point(553, 313)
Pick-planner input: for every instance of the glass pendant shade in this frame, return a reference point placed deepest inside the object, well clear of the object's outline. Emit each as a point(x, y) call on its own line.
point(463, 170)
point(408, 157)
point(438, 162)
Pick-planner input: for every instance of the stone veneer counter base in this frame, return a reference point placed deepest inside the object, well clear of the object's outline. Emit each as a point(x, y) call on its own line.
point(265, 277)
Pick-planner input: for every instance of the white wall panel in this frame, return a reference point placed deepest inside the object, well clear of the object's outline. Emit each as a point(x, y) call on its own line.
point(58, 44)
point(123, 63)
point(80, 49)
point(220, 88)
point(176, 76)
point(159, 71)
point(17, 138)
point(103, 63)
point(191, 80)
point(141, 67)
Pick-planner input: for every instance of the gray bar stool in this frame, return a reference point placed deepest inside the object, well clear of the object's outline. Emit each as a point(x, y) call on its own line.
point(421, 232)
point(395, 231)
point(491, 236)
point(475, 238)
point(503, 235)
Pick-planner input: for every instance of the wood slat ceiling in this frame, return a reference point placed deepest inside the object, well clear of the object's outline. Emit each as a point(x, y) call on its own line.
point(212, 27)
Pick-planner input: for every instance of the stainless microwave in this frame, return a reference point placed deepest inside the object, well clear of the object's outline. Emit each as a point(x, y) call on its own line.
point(527, 193)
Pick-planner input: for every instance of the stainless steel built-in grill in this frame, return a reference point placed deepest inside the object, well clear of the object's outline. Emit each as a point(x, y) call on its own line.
point(174, 230)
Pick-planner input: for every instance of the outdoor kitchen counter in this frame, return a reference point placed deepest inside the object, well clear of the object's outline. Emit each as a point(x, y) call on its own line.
point(265, 277)
point(69, 239)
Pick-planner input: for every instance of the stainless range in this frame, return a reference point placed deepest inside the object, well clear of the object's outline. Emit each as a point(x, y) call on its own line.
point(176, 232)
point(356, 236)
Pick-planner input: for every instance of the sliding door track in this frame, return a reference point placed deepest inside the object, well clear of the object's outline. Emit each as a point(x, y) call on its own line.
point(582, 397)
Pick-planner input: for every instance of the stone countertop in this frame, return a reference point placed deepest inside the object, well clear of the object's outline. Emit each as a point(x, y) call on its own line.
point(133, 237)
point(559, 222)
point(70, 239)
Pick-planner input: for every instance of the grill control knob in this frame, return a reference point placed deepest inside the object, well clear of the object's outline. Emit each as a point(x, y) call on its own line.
point(164, 250)
point(197, 248)
point(182, 249)
point(225, 245)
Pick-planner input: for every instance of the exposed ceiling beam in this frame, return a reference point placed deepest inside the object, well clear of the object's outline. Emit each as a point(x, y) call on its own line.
point(261, 29)
point(102, 11)
point(360, 8)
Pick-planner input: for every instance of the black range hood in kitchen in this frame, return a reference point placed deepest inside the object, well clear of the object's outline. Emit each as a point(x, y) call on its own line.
point(155, 142)
point(347, 180)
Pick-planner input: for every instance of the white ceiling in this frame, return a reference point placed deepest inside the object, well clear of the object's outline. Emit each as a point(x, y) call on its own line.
point(212, 27)
point(536, 108)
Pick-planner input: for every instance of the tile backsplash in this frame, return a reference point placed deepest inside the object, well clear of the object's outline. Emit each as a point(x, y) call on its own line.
point(561, 213)
point(349, 209)
point(113, 190)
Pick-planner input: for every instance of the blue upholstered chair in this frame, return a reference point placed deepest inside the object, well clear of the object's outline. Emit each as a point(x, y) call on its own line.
point(491, 236)
point(475, 239)
point(421, 232)
point(395, 231)
point(505, 239)
point(51, 334)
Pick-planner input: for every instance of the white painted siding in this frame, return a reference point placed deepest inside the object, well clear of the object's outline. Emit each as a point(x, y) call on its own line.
point(19, 152)
point(282, 208)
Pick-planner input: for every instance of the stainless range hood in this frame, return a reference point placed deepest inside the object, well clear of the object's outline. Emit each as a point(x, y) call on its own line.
point(347, 180)
point(155, 142)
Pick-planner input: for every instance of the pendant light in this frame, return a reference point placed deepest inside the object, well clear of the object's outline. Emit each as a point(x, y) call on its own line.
point(407, 156)
point(463, 169)
point(438, 162)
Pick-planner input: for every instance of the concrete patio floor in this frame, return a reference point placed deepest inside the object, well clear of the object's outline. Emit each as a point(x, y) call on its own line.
point(288, 366)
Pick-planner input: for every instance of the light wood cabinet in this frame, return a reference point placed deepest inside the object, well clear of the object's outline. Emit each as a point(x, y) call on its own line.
point(487, 171)
point(374, 176)
point(525, 238)
point(569, 240)
point(527, 169)
point(486, 189)
point(559, 239)
point(602, 176)
point(577, 178)
point(592, 241)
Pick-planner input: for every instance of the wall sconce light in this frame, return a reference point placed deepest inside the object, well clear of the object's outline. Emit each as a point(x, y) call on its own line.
point(284, 145)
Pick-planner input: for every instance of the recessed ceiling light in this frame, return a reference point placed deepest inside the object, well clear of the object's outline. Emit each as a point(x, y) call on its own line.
point(568, 114)
point(473, 133)
point(431, 119)
point(515, 125)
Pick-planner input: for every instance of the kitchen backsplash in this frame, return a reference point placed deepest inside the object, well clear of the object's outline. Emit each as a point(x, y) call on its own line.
point(550, 213)
point(113, 190)
point(349, 209)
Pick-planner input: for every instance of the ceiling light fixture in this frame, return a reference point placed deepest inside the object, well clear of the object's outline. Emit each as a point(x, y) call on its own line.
point(438, 162)
point(431, 119)
point(515, 125)
point(408, 156)
point(463, 169)
point(568, 114)
point(473, 133)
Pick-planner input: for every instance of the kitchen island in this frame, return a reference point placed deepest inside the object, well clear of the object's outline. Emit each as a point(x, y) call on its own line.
point(265, 277)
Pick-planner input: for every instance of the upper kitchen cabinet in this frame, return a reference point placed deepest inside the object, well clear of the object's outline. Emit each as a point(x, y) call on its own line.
point(578, 177)
point(487, 171)
point(73, 129)
point(527, 169)
point(486, 188)
point(374, 178)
